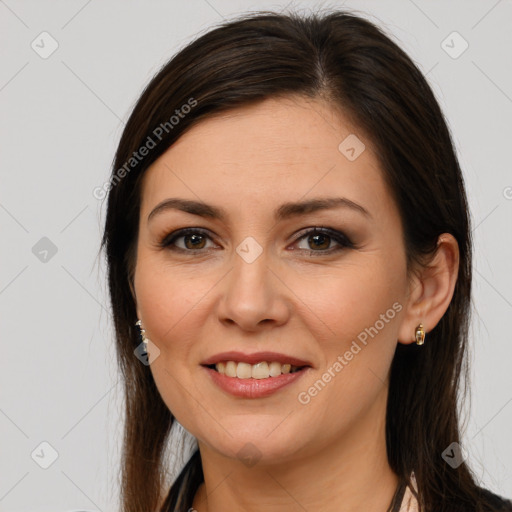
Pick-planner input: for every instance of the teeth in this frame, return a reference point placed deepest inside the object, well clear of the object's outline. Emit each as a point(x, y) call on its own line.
point(262, 370)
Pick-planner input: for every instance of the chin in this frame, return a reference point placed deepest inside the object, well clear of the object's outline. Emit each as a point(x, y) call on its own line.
point(256, 446)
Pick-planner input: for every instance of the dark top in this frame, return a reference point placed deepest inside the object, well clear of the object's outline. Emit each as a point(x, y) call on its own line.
point(498, 503)
point(501, 504)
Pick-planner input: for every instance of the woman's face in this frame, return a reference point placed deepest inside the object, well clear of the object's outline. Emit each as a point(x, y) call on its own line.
point(255, 279)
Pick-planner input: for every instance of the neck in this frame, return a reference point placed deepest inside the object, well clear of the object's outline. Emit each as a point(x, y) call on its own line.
point(350, 475)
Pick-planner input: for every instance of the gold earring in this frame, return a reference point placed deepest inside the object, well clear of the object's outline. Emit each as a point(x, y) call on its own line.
point(143, 334)
point(420, 335)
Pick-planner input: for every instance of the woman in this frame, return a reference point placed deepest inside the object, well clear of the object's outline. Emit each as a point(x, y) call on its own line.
point(288, 240)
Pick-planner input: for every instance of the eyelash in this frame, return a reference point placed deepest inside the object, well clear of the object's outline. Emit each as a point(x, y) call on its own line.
point(343, 241)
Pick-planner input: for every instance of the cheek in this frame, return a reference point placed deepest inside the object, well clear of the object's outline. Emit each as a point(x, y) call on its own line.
point(169, 302)
point(359, 310)
point(174, 305)
point(348, 302)
point(166, 295)
point(359, 314)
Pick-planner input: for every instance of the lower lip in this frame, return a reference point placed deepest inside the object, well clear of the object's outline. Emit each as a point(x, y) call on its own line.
point(254, 388)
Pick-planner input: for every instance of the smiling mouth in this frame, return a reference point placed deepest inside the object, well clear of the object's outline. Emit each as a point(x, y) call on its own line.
point(261, 370)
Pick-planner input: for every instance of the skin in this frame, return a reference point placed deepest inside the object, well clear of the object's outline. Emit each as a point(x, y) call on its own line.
point(330, 453)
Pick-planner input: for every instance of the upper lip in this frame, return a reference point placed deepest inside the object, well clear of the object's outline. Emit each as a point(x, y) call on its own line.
point(255, 357)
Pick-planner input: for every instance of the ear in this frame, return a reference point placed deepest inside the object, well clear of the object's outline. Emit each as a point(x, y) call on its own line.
point(431, 290)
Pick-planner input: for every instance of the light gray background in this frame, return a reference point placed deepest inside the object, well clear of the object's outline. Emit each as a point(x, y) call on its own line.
point(61, 118)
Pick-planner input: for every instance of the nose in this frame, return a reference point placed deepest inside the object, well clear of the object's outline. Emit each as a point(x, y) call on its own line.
point(253, 295)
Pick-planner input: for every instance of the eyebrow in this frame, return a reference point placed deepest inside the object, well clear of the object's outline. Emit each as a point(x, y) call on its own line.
point(285, 211)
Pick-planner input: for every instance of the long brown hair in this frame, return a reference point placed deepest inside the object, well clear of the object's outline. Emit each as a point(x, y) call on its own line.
point(347, 60)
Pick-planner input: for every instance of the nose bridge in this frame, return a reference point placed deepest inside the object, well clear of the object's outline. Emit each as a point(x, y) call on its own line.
point(252, 292)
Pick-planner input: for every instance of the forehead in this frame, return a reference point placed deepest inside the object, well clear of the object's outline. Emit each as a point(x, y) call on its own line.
point(270, 149)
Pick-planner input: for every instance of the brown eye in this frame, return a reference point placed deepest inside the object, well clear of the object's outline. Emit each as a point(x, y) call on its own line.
point(320, 239)
point(196, 241)
point(193, 240)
